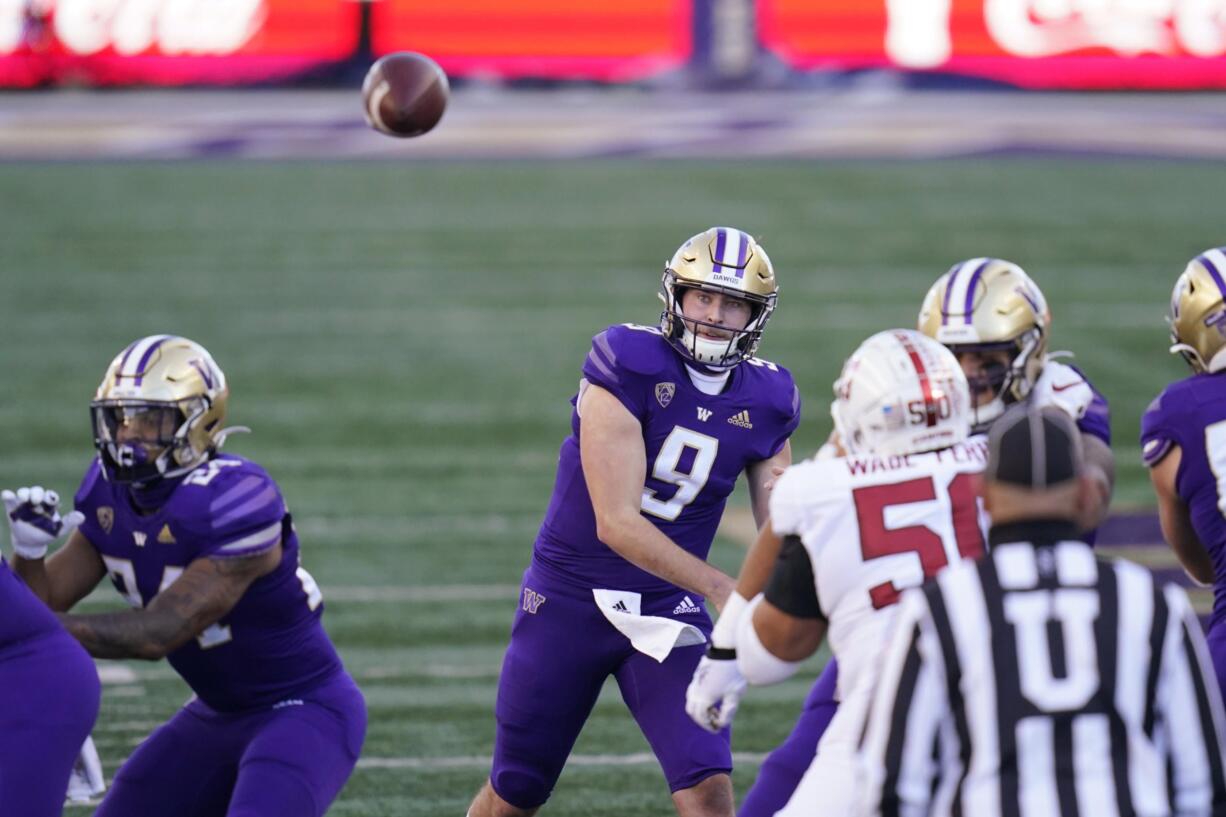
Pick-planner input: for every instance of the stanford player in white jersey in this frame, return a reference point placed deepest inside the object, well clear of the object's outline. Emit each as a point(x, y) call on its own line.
point(857, 531)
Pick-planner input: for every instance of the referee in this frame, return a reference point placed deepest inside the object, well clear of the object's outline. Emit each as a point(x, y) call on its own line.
point(1042, 680)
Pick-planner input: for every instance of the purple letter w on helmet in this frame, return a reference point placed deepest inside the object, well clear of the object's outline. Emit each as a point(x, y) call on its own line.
point(731, 248)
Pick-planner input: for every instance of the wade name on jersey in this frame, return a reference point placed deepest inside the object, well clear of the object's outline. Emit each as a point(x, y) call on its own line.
point(697, 446)
point(271, 646)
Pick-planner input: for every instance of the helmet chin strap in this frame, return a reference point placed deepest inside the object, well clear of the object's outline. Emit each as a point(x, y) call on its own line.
point(710, 354)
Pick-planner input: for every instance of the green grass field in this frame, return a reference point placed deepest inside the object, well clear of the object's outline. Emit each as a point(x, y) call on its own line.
point(404, 338)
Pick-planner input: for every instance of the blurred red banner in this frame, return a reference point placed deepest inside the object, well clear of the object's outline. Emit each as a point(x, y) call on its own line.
point(557, 39)
point(1030, 43)
point(170, 42)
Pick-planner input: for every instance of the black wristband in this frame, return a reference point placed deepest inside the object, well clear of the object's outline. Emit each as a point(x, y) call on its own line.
point(721, 653)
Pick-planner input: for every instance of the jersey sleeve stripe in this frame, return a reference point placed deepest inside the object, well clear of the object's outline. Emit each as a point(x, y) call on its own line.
point(265, 498)
point(254, 542)
point(602, 345)
point(241, 490)
point(601, 367)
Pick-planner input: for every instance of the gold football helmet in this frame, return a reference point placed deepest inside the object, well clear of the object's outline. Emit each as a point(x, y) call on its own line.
point(730, 262)
point(985, 306)
point(1198, 312)
point(159, 409)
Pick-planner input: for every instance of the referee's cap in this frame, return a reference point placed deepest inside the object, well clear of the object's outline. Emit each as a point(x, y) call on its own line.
point(1034, 448)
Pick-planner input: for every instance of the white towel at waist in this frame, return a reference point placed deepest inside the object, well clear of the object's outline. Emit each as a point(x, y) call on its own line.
point(651, 635)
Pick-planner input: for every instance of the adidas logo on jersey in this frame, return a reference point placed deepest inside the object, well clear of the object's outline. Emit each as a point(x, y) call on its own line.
point(741, 418)
point(165, 536)
point(686, 606)
point(621, 607)
point(704, 414)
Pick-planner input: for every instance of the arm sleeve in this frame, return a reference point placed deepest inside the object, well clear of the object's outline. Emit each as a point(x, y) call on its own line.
point(246, 516)
point(1190, 704)
point(605, 367)
point(97, 522)
point(791, 587)
point(1158, 433)
point(898, 767)
point(791, 419)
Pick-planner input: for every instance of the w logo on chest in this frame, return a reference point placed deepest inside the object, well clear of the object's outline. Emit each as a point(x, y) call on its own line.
point(139, 537)
point(704, 414)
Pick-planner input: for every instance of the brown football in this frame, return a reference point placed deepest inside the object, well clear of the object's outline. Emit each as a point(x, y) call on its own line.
point(404, 94)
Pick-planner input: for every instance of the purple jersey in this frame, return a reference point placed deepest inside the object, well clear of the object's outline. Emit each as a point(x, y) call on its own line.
point(697, 445)
point(271, 646)
point(1191, 414)
point(22, 614)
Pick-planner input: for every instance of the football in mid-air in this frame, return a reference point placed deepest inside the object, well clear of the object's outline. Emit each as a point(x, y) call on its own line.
point(404, 94)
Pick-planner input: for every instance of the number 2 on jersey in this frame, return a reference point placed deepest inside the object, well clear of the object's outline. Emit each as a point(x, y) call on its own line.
point(876, 540)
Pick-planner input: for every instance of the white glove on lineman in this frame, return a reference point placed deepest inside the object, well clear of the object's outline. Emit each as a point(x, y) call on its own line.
point(86, 781)
point(35, 521)
point(715, 691)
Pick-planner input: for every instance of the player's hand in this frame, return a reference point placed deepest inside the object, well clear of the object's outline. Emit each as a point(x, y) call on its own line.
point(714, 693)
point(35, 521)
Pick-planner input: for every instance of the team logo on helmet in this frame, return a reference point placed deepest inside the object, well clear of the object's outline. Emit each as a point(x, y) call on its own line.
point(664, 393)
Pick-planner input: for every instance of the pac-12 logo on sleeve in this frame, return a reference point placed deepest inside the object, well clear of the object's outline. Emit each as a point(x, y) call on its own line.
point(664, 393)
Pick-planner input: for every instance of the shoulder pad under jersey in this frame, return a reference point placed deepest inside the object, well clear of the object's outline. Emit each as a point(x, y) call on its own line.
point(89, 483)
point(805, 491)
point(632, 348)
point(231, 506)
point(775, 383)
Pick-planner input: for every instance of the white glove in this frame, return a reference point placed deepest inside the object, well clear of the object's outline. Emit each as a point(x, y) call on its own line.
point(86, 781)
point(35, 521)
point(715, 691)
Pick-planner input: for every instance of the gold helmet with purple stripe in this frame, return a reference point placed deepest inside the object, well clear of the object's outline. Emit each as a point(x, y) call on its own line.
point(159, 409)
point(989, 306)
point(730, 262)
point(1198, 312)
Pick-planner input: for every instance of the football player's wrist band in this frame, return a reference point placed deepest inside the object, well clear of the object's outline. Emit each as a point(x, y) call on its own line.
point(721, 653)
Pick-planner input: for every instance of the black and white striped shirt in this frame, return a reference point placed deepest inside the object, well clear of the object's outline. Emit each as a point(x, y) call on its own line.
point(1044, 681)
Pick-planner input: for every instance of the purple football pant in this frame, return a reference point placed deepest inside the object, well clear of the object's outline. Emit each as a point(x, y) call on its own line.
point(51, 695)
point(554, 668)
point(781, 771)
point(289, 760)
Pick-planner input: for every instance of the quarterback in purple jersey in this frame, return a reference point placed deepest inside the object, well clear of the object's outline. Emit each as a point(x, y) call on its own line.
point(202, 546)
point(1183, 438)
point(51, 686)
point(996, 321)
point(665, 422)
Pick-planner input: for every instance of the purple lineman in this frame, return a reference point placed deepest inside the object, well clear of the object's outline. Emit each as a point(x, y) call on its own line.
point(202, 546)
point(665, 422)
point(1183, 438)
point(52, 695)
